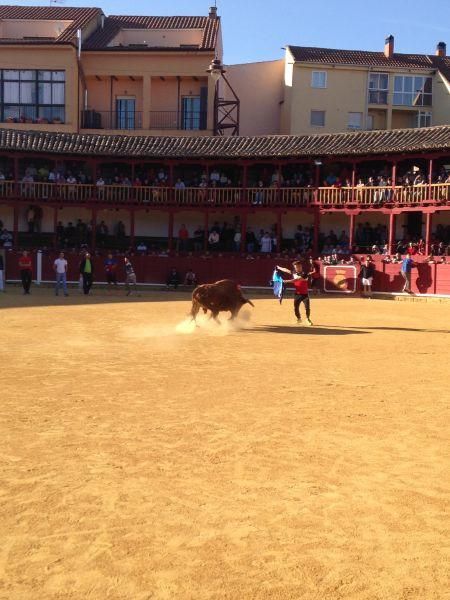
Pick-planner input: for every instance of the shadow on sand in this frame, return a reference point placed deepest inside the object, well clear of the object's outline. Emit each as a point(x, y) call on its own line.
point(299, 330)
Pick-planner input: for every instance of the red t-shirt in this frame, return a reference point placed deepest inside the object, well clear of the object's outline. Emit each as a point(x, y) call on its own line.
point(301, 286)
point(25, 263)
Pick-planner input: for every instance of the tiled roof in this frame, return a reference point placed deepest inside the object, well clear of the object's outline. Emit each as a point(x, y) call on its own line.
point(100, 39)
point(362, 143)
point(360, 58)
point(79, 16)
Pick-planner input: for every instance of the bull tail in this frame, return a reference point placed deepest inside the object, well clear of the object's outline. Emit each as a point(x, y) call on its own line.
point(195, 309)
point(249, 302)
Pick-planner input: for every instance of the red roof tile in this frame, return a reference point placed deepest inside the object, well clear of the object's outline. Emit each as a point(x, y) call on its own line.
point(79, 16)
point(100, 39)
point(399, 141)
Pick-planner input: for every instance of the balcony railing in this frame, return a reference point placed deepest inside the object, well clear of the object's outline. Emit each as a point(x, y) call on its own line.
point(357, 197)
point(105, 119)
point(178, 120)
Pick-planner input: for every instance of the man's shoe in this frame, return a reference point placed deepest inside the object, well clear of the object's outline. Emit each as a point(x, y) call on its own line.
point(299, 321)
point(309, 322)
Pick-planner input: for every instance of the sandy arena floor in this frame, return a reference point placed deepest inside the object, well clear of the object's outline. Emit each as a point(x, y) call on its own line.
point(139, 461)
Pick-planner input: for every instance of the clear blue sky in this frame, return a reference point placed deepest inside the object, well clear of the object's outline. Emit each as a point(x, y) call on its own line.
point(256, 29)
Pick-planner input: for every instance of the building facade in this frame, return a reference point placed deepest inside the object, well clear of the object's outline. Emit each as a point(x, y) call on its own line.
point(329, 90)
point(77, 70)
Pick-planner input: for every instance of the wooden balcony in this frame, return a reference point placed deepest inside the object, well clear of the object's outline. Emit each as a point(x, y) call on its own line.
point(272, 197)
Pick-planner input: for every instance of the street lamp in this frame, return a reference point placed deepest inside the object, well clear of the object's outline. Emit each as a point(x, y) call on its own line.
point(216, 69)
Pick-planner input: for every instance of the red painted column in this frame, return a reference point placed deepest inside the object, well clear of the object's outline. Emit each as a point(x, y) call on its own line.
point(55, 224)
point(353, 184)
point(243, 231)
point(94, 228)
point(394, 178)
point(428, 228)
point(391, 242)
point(132, 227)
point(351, 232)
point(430, 178)
point(244, 195)
point(16, 176)
point(16, 227)
point(279, 232)
point(206, 231)
point(170, 232)
point(316, 232)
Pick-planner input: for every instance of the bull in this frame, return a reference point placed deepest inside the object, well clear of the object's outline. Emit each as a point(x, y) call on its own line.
point(222, 296)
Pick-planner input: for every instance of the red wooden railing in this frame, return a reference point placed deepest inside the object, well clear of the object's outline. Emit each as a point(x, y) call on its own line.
point(122, 195)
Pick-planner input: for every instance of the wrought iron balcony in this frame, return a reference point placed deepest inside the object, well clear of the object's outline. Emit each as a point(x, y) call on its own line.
point(178, 120)
point(106, 119)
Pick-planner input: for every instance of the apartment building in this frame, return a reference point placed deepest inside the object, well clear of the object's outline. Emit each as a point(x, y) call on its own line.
point(78, 70)
point(330, 90)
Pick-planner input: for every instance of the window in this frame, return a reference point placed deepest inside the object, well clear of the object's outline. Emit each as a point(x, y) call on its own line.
point(318, 118)
point(378, 88)
point(412, 91)
point(354, 120)
point(423, 119)
point(29, 96)
point(191, 112)
point(319, 79)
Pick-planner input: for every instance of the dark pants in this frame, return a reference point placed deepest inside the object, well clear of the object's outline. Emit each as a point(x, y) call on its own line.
point(25, 275)
point(87, 282)
point(299, 298)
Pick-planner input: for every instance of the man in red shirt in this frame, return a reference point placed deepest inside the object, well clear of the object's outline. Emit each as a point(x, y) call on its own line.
point(183, 238)
point(25, 267)
point(300, 283)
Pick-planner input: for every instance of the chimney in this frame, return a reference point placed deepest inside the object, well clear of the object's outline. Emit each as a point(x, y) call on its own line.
point(103, 21)
point(441, 49)
point(213, 12)
point(389, 47)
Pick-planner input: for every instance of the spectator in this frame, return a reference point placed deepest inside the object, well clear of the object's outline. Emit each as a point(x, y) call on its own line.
point(130, 276)
point(180, 185)
point(6, 237)
point(60, 268)
point(30, 219)
point(237, 240)
point(142, 248)
point(367, 272)
point(266, 242)
point(199, 239)
point(405, 270)
point(173, 280)
point(111, 270)
point(183, 239)
point(190, 278)
point(25, 267)
point(87, 273)
point(214, 240)
point(250, 240)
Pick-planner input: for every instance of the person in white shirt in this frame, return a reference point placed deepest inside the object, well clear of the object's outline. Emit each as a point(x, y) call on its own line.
point(60, 268)
point(179, 185)
point(266, 243)
point(214, 175)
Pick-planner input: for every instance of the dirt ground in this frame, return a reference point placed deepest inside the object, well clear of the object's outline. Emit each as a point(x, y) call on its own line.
point(141, 459)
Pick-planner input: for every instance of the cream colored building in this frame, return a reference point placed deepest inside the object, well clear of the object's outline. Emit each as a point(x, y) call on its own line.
point(75, 69)
point(330, 90)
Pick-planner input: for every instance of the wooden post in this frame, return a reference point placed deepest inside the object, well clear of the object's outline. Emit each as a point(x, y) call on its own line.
point(170, 232)
point(16, 176)
point(428, 228)
point(244, 231)
point(394, 179)
point(353, 195)
point(55, 225)
point(244, 193)
point(430, 179)
point(351, 232)
point(391, 232)
point(316, 231)
point(16, 227)
point(279, 232)
point(132, 226)
point(94, 228)
point(205, 231)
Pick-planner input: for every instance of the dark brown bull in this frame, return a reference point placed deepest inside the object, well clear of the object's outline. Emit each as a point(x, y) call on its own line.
point(222, 296)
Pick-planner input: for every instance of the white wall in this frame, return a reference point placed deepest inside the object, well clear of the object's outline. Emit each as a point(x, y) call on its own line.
point(290, 222)
point(336, 221)
point(151, 224)
point(263, 220)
